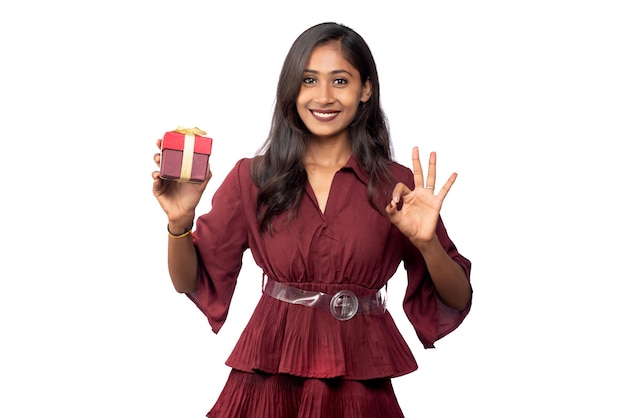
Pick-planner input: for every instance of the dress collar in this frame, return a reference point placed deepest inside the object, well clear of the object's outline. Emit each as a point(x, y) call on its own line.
point(355, 165)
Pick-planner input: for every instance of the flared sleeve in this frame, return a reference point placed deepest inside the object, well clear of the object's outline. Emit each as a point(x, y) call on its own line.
point(221, 238)
point(430, 317)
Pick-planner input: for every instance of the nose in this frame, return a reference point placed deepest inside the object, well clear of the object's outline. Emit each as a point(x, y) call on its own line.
point(324, 93)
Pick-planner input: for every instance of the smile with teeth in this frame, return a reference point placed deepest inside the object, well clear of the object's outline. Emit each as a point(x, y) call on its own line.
point(324, 115)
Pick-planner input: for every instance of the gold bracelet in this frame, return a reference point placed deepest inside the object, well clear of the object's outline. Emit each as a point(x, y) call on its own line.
point(184, 234)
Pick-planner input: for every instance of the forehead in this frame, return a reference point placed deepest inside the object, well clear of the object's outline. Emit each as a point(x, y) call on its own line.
point(329, 57)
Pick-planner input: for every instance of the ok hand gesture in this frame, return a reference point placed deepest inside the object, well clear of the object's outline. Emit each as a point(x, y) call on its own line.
point(416, 212)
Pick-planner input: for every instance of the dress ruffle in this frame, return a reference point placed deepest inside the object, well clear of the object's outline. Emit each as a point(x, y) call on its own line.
point(301, 341)
point(260, 395)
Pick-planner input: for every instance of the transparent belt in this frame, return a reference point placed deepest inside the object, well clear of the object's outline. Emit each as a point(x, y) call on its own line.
point(343, 305)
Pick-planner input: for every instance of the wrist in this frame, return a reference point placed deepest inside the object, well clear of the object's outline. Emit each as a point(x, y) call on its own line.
point(179, 228)
point(427, 246)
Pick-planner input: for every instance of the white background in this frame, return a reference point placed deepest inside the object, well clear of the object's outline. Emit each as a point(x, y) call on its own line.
point(524, 99)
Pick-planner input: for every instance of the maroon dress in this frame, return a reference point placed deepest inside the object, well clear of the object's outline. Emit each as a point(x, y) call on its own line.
point(294, 361)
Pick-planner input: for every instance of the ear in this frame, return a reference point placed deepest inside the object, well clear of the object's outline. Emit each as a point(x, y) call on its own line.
point(366, 91)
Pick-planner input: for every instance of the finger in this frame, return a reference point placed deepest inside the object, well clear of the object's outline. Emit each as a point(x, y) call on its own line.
point(418, 175)
point(432, 172)
point(393, 209)
point(157, 159)
point(446, 187)
point(159, 142)
point(157, 183)
point(209, 174)
point(399, 190)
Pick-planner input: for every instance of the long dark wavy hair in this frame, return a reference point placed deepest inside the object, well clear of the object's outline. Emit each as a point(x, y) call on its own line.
point(278, 171)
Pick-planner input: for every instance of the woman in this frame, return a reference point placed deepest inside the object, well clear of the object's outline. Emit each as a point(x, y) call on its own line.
point(328, 217)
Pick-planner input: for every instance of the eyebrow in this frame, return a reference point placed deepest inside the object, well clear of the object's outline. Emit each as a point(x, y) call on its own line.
point(334, 72)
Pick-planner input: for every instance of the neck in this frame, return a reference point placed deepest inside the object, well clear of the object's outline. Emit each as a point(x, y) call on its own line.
point(327, 153)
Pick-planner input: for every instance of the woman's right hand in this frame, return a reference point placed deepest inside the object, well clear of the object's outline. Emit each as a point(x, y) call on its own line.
point(177, 199)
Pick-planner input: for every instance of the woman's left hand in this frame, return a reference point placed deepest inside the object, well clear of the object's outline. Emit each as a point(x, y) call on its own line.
point(416, 212)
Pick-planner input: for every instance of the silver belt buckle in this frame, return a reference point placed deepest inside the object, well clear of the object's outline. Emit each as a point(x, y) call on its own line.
point(344, 305)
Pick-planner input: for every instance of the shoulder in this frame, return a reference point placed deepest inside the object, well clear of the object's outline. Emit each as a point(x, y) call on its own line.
point(243, 163)
point(240, 174)
point(243, 166)
point(400, 172)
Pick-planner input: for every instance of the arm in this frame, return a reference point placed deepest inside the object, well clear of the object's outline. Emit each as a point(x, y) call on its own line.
point(416, 214)
point(179, 200)
point(182, 260)
point(448, 277)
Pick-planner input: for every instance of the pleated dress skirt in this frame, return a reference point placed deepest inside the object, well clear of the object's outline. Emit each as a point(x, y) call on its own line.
point(260, 395)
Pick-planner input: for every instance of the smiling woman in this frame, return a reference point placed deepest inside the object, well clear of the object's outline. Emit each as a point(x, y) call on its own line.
point(328, 217)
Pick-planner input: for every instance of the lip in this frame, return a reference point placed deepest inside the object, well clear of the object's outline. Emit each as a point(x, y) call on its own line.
point(324, 115)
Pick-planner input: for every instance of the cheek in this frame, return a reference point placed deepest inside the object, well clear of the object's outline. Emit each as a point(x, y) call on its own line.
point(354, 106)
point(302, 97)
point(301, 109)
point(301, 102)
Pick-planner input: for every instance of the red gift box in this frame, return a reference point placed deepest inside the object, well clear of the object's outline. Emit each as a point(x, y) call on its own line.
point(185, 155)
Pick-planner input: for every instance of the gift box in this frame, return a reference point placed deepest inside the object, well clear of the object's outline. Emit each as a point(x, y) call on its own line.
point(185, 155)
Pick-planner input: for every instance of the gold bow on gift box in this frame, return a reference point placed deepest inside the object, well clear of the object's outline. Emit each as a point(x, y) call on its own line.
point(190, 131)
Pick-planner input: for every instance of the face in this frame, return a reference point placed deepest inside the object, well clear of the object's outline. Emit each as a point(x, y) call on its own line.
point(330, 93)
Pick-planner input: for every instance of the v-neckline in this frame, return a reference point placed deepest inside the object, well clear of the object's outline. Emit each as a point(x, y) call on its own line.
point(324, 186)
point(315, 197)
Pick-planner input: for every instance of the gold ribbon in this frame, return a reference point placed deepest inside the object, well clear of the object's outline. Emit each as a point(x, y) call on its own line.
point(190, 131)
point(188, 147)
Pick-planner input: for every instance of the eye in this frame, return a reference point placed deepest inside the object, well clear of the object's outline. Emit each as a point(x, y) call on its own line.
point(308, 80)
point(340, 81)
